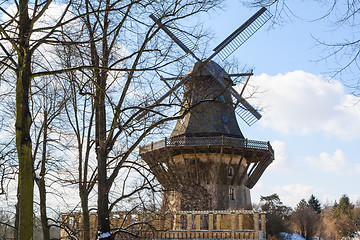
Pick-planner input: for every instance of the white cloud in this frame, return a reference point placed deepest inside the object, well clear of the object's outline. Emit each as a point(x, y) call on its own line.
point(292, 194)
point(289, 194)
point(335, 163)
point(303, 103)
point(283, 161)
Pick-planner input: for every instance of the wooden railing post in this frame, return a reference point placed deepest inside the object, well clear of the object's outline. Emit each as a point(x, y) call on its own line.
point(233, 225)
point(218, 221)
point(263, 223)
point(241, 217)
point(256, 225)
point(189, 223)
point(211, 223)
point(177, 222)
point(197, 221)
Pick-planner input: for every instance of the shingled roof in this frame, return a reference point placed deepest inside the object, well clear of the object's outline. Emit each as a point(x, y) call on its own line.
point(211, 109)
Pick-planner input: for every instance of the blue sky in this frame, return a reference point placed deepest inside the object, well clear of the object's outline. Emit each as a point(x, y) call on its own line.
point(309, 117)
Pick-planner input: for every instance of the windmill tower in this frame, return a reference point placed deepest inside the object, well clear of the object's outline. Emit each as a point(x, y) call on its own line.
point(207, 163)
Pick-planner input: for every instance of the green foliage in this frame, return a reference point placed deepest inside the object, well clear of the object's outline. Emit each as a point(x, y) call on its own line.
point(314, 203)
point(277, 216)
point(340, 221)
point(344, 207)
point(305, 219)
point(345, 219)
point(302, 204)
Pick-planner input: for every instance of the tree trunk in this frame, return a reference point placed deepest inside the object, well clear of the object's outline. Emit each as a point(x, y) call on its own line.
point(84, 196)
point(100, 129)
point(41, 183)
point(43, 214)
point(16, 222)
point(103, 200)
point(22, 127)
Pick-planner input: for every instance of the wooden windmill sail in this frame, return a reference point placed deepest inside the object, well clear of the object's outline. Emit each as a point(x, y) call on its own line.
point(243, 109)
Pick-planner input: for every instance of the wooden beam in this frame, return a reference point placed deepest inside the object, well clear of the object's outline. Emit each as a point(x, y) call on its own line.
point(244, 173)
point(229, 165)
point(219, 164)
point(196, 167)
point(236, 171)
point(208, 165)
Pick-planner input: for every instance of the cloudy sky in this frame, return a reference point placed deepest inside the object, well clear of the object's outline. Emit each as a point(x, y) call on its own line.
point(309, 116)
point(311, 120)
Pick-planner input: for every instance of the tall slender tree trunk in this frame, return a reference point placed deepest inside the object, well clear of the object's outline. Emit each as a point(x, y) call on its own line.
point(22, 127)
point(103, 185)
point(100, 128)
point(43, 214)
point(16, 222)
point(85, 215)
point(41, 183)
point(103, 200)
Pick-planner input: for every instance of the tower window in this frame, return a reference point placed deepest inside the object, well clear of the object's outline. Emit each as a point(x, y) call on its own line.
point(231, 194)
point(224, 119)
point(231, 172)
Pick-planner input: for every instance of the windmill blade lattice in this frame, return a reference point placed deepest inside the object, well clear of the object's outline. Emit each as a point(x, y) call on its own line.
point(248, 117)
point(160, 96)
point(224, 49)
point(243, 33)
point(245, 111)
point(180, 38)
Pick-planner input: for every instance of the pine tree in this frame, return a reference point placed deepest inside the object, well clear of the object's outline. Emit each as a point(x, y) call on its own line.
point(277, 215)
point(344, 217)
point(305, 219)
point(314, 203)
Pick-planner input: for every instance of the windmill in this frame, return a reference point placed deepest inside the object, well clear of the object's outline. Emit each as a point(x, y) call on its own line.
point(207, 164)
point(243, 109)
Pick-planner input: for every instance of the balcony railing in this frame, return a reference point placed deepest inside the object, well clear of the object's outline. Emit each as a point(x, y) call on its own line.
point(222, 141)
point(176, 225)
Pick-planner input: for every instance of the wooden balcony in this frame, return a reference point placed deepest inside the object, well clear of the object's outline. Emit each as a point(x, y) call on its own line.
point(258, 154)
point(217, 141)
point(177, 225)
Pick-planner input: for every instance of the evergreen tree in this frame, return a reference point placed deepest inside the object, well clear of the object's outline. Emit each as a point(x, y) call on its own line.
point(277, 215)
point(314, 203)
point(344, 216)
point(344, 207)
point(305, 219)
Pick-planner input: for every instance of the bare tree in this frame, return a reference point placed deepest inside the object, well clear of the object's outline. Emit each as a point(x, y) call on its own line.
point(305, 220)
point(125, 52)
point(47, 104)
point(25, 34)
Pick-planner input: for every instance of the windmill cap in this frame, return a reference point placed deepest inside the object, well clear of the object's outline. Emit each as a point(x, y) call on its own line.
point(199, 70)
